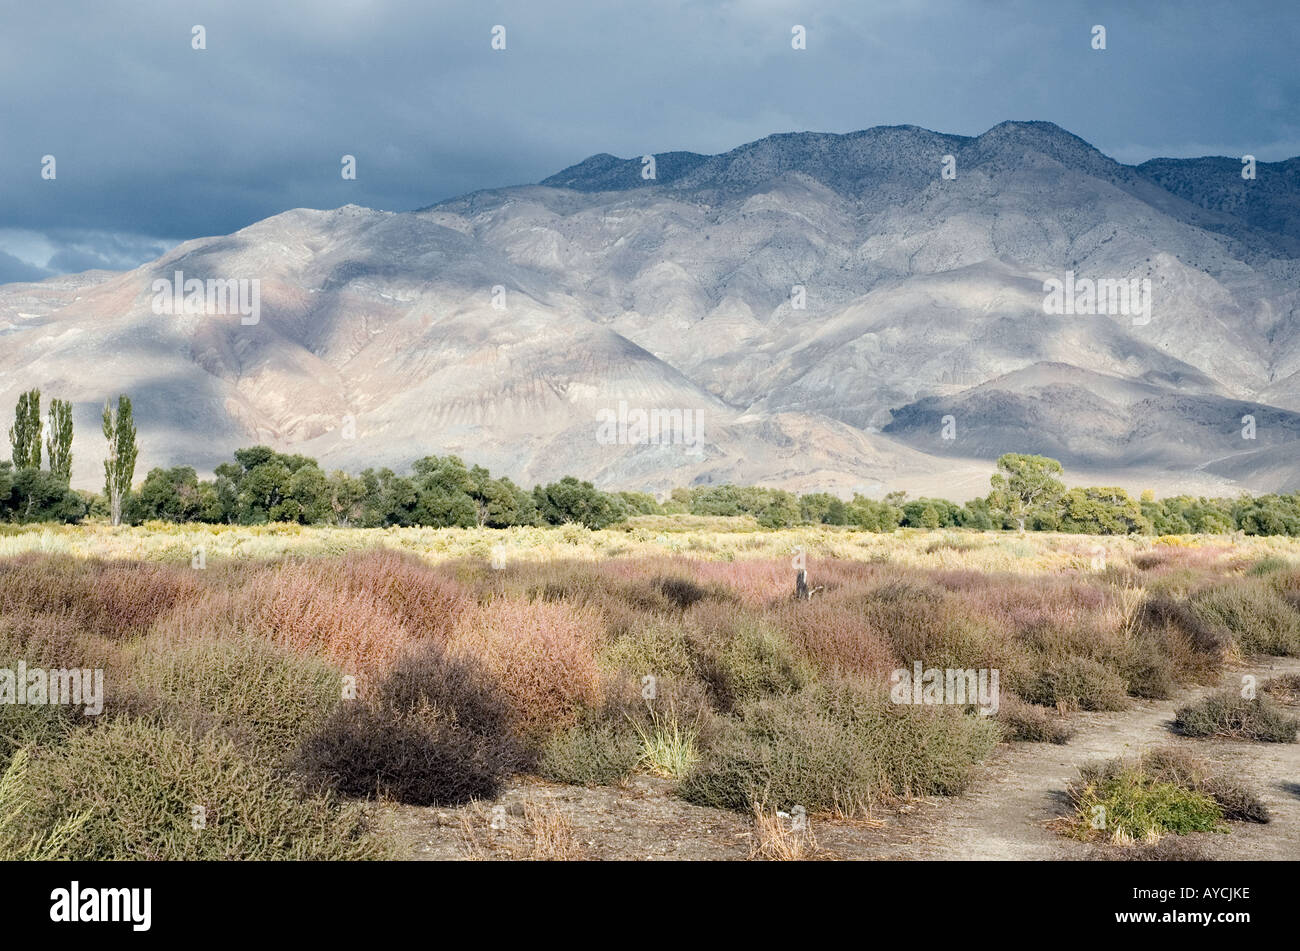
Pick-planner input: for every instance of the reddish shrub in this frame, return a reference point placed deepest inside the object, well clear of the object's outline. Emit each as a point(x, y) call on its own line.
point(114, 599)
point(542, 654)
point(426, 601)
point(836, 637)
point(298, 607)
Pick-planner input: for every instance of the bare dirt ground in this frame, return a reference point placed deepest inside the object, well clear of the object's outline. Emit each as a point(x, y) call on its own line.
point(1004, 815)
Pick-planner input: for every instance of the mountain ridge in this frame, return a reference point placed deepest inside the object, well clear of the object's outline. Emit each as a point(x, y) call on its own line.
point(920, 294)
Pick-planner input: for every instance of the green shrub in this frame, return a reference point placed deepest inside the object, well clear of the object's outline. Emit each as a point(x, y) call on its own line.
point(658, 648)
point(32, 725)
point(746, 660)
point(595, 752)
point(1229, 714)
point(1131, 805)
point(1258, 619)
point(129, 790)
point(265, 697)
point(1077, 683)
point(837, 748)
point(1171, 765)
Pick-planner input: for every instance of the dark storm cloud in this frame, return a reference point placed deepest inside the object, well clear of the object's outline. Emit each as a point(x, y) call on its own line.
point(156, 141)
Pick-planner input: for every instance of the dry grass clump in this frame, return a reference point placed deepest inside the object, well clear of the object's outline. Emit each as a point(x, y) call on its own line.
point(1284, 689)
point(777, 837)
point(536, 833)
point(1238, 801)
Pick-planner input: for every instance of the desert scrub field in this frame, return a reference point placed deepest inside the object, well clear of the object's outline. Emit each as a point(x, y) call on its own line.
point(266, 687)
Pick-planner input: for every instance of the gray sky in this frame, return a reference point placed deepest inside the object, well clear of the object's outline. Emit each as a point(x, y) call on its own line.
point(156, 142)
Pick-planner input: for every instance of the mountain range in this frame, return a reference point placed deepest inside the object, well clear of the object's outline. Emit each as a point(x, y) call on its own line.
point(858, 312)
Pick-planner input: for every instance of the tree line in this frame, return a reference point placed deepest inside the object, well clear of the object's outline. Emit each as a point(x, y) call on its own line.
point(262, 486)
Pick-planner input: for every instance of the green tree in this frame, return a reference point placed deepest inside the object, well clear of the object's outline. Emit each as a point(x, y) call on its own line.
point(571, 500)
point(169, 495)
point(345, 495)
point(58, 439)
point(119, 467)
point(1025, 486)
point(1101, 510)
point(872, 515)
point(36, 495)
point(25, 434)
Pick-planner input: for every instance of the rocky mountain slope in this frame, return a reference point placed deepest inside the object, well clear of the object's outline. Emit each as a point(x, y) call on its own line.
point(818, 303)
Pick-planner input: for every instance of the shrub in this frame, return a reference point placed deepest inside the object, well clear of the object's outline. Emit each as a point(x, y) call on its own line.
point(1024, 722)
point(1134, 806)
point(1229, 714)
point(1077, 683)
point(1239, 803)
point(1148, 670)
point(1195, 647)
point(543, 657)
point(113, 599)
point(425, 601)
point(595, 752)
point(264, 697)
point(838, 639)
point(132, 787)
point(43, 725)
point(657, 647)
point(297, 607)
point(1257, 619)
point(837, 748)
point(1268, 565)
point(742, 658)
point(925, 623)
point(436, 733)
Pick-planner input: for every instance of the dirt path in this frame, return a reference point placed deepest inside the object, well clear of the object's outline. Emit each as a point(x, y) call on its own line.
point(1004, 815)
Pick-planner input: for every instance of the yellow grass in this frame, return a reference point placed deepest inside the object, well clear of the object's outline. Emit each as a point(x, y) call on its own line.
point(709, 539)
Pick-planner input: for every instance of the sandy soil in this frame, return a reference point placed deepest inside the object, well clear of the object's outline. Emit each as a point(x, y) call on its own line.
point(1004, 815)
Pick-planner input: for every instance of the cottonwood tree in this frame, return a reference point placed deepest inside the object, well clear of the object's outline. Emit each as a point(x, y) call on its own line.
point(119, 467)
point(1029, 485)
point(58, 439)
point(25, 434)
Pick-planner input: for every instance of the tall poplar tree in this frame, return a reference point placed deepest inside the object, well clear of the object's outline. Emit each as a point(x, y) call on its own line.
point(25, 434)
point(58, 439)
point(119, 467)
